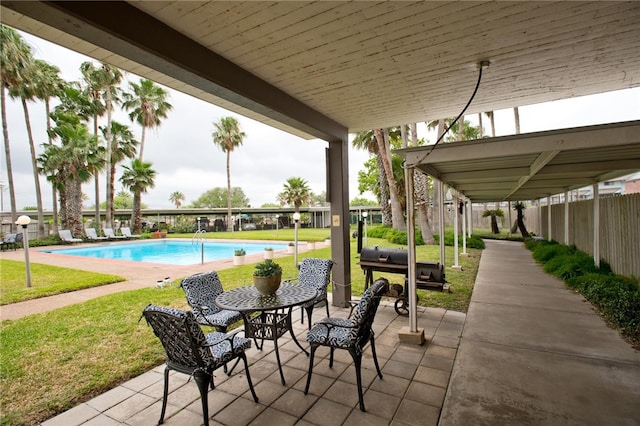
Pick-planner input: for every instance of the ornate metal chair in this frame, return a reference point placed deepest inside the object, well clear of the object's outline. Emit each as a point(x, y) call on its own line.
point(317, 274)
point(351, 334)
point(201, 291)
point(190, 352)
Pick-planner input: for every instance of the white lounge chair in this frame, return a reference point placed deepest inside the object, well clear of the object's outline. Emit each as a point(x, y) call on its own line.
point(93, 235)
point(126, 231)
point(65, 236)
point(108, 232)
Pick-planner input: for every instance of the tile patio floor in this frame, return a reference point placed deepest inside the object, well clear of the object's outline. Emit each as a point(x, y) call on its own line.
point(411, 392)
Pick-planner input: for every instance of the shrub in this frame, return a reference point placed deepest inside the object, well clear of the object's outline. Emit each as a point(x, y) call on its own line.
point(472, 242)
point(570, 265)
point(617, 297)
point(378, 231)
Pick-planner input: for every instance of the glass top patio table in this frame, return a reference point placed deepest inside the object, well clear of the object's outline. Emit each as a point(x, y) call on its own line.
point(248, 299)
point(274, 319)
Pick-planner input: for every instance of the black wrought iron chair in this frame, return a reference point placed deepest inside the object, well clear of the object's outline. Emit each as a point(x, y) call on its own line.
point(351, 334)
point(201, 291)
point(316, 273)
point(191, 352)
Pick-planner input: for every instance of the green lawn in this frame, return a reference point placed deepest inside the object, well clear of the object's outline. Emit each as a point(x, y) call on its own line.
point(45, 281)
point(53, 361)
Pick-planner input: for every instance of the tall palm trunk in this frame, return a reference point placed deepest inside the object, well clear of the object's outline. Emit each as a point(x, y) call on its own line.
point(229, 223)
point(34, 166)
point(385, 198)
point(7, 156)
point(421, 196)
point(397, 217)
point(110, 211)
point(96, 177)
point(73, 215)
point(137, 212)
point(54, 191)
point(142, 137)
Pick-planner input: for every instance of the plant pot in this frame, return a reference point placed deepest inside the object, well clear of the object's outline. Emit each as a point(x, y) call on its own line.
point(267, 285)
point(327, 242)
point(311, 245)
point(290, 249)
point(268, 254)
point(238, 260)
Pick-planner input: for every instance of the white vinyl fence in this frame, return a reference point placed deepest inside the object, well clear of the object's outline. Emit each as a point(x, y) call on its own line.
point(619, 229)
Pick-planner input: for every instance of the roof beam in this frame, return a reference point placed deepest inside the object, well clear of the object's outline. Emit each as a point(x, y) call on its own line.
point(535, 167)
point(127, 31)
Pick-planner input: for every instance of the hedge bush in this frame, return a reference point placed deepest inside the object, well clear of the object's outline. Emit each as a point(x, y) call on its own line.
point(400, 237)
point(616, 297)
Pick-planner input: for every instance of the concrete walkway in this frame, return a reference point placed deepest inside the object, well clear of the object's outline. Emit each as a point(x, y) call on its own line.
point(533, 352)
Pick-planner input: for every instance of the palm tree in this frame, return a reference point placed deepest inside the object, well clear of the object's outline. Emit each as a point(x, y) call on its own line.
point(123, 146)
point(177, 198)
point(14, 57)
point(148, 105)
point(49, 85)
point(296, 192)
point(95, 82)
point(110, 78)
point(74, 160)
point(139, 177)
point(421, 195)
point(26, 91)
point(227, 136)
point(367, 141)
point(397, 217)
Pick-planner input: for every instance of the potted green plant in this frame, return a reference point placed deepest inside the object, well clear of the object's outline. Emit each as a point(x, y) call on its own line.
point(268, 253)
point(267, 276)
point(238, 257)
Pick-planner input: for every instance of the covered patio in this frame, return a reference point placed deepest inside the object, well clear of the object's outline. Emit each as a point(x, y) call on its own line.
point(529, 351)
point(325, 69)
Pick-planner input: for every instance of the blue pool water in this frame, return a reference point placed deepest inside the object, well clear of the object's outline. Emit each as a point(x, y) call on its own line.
point(168, 252)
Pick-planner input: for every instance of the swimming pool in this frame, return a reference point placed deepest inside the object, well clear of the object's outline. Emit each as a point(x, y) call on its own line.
point(167, 252)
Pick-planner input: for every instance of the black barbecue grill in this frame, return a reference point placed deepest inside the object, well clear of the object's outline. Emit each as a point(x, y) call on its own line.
point(429, 275)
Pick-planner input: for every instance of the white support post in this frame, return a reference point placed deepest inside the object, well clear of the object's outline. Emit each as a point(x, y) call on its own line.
point(596, 225)
point(441, 223)
point(464, 228)
point(549, 218)
point(456, 243)
point(566, 218)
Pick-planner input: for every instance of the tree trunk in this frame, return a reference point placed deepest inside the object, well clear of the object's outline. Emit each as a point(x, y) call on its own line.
point(421, 193)
point(516, 117)
point(54, 190)
point(396, 208)
point(111, 184)
point(96, 176)
point(7, 156)
point(137, 212)
point(494, 224)
point(74, 206)
point(385, 206)
point(109, 210)
point(142, 138)
point(520, 220)
point(34, 166)
point(229, 222)
point(481, 133)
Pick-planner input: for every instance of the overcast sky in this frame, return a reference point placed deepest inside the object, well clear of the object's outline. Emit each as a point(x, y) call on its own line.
point(186, 160)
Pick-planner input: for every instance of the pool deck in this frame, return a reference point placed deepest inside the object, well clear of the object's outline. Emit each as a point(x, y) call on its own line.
point(137, 274)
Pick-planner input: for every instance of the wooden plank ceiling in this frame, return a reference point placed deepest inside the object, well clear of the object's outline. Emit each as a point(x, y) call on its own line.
point(379, 64)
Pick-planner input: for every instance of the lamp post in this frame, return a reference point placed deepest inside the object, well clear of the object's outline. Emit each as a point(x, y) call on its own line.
point(277, 220)
point(24, 221)
point(198, 219)
point(364, 216)
point(296, 219)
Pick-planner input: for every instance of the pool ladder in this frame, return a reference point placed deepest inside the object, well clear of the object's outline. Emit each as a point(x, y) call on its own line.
point(198, 237)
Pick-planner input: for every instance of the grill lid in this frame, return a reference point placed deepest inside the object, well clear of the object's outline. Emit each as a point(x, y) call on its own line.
point(386, 256)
